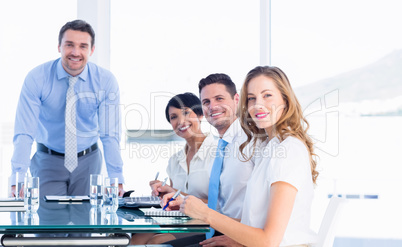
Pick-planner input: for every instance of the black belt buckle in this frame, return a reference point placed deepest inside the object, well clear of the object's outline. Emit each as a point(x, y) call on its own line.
point(45, 149)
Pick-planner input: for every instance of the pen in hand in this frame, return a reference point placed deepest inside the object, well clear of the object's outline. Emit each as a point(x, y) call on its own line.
point(157, 175)
point(164, 182)
point(171, 199)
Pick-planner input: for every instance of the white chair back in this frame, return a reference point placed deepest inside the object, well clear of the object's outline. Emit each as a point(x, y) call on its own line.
point(326, 234)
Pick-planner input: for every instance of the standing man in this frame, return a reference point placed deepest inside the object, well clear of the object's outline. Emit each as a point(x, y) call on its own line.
point(66, 105)
point(219, 100)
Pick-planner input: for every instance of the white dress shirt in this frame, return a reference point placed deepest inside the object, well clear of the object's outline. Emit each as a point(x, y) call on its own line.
point(235, 173)
point(40, 114)
point(196, 181)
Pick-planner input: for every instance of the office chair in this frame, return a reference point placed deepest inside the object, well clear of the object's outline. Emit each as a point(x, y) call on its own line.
point(326, 234)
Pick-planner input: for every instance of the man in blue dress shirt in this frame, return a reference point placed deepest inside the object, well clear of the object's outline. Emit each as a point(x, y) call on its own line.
point(41, 113)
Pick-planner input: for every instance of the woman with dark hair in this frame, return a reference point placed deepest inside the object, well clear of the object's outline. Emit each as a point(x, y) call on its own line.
point(277, 204)
point(189, 169)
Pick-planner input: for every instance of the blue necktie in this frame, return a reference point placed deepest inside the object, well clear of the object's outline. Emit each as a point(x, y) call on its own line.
point(214, 178)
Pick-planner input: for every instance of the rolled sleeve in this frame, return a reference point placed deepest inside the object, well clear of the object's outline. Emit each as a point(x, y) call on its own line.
point(110, 129)
point(291, 159)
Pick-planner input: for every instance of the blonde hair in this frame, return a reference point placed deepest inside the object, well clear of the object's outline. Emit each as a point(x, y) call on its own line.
point(289, 124)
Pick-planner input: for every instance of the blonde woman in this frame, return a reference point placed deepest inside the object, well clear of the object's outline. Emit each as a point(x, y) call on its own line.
point(276, 210)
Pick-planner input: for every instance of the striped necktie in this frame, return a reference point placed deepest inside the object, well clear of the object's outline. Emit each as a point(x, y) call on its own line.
point(70, 153)
point(214, 178)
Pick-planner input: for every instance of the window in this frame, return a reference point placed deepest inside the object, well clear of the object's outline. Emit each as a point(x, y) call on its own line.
point(28, 37)
point(162, 48)
point(344, 59)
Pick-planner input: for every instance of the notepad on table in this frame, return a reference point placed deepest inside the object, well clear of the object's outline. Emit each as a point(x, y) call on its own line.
point(11, 202)
point(140, 202)
point(12, 209)
point(160, 212)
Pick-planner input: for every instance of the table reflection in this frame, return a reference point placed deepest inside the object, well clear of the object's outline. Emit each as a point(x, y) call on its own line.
point(75, 214)
point(31, 219)
point(111, 219)
point(17, 218)
point(53, 213)
point(72, 218)
point(99, 216)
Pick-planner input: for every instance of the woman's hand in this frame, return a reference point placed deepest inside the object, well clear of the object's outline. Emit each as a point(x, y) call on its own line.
point(154, 187)
point(158, 189)
point(222, 240)
point(174, 204)
point(195, 208)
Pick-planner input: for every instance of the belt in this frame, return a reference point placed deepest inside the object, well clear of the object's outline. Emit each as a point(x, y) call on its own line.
point(45, 149)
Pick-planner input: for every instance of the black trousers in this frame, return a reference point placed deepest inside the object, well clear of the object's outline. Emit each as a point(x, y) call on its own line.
point(191, 241)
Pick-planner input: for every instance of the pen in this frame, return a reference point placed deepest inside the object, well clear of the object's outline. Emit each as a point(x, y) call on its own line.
point(164, 182)
point(157, 175)
point(171, 199)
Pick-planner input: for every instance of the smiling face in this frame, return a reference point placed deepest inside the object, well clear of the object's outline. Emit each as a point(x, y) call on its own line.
point(265, 103)
point(75, 49)
point(218, 106)
point(184, 122)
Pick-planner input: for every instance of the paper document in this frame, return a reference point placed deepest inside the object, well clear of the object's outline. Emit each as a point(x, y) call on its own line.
point(11, 202)
point(160, 212)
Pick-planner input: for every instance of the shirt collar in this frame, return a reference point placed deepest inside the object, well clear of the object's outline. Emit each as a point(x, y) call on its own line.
point(203, 151)
point(233, 131)
point(61, 73)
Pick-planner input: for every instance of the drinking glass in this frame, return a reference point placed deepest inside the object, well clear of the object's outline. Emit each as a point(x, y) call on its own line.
point(31, 194)
point(111, 195)
point(96, 189)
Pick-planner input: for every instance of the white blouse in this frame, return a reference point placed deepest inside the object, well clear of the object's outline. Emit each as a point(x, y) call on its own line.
point(289, 162)
point(196, 181)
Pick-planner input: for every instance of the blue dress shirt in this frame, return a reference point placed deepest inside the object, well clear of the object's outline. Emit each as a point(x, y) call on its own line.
point(41, 109)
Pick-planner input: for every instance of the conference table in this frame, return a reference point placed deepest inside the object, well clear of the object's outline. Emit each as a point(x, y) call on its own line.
point(79, 224)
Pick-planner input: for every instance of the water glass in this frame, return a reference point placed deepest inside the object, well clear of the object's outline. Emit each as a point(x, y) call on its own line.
point(96, 189)
point(31, 194)
point(111, 195)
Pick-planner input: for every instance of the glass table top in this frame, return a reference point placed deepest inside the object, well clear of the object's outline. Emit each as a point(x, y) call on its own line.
point(55, 217)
